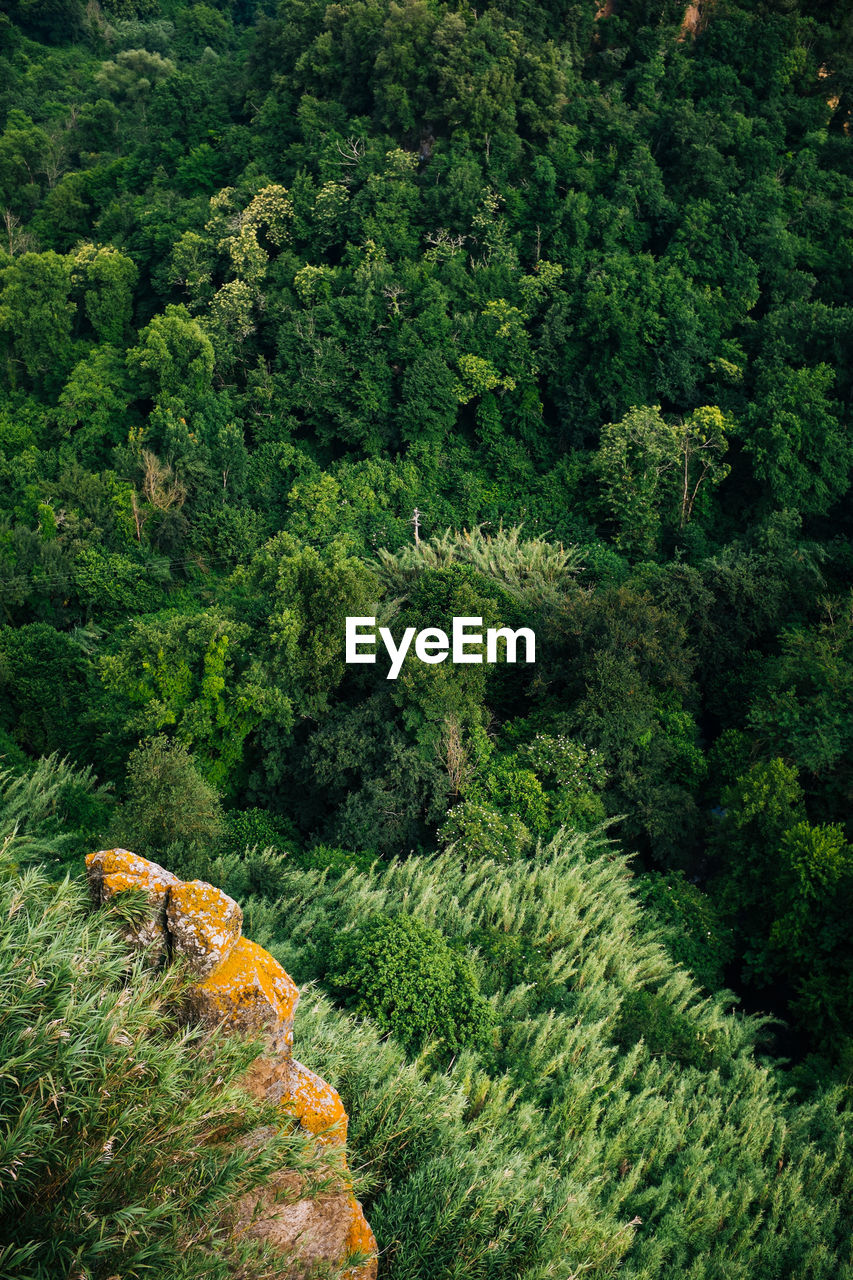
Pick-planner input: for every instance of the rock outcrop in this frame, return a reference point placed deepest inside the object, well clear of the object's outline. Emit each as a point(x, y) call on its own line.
point(113, 871)
point(203, 924)
point(242, 988)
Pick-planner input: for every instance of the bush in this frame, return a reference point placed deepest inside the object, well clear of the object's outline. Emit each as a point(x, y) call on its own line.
point(403, 974)
point(56, 810)
point(692, 929)
point(257, 829)
point(646, 1015)
point(484, 832)
point(323, 857)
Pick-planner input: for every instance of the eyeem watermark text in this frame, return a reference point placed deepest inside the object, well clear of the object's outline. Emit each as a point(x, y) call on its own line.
point(465, 643)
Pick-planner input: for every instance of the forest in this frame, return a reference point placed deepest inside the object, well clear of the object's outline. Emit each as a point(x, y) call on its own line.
point(539, 313)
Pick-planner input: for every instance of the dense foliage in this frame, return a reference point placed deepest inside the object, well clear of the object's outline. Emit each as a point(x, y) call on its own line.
point(532, 312)
point(613, 1120)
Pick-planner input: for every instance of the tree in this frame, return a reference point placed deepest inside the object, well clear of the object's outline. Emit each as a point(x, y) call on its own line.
point(52, 20)
point(36, 315)
point(168, 801)
point(299, 597)
point(652, 471)
point(133, 74)
point(803, 704)
point(173, 359)
point(44, 676)
point(799, 447)
point(106, 279)
point(190, 674)
point(93, 404)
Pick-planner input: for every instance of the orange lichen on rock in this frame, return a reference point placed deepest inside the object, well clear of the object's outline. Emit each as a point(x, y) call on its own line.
point(360, 1239)
point(250, 992)
point(243, 988)
point(311, 1101)
point(204, 924)
point(315, 1104)
point(112, 871)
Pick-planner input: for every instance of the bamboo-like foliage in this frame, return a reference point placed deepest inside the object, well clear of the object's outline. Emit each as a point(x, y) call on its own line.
point(39, 807)
point(530, 569)
point(568, 1148)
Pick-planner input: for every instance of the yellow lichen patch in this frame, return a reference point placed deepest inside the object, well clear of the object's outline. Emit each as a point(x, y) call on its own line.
point(249, 991)
point(118, 881)
point(110, 871)
point(360, 1239)
point(204, 924)
point(315, 1105)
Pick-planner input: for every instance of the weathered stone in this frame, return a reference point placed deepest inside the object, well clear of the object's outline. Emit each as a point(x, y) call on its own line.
point(250, 992)
point(112, 871)
point(312, 1102)
point(360, 1239)
point(308, 1232)
point(204, 924)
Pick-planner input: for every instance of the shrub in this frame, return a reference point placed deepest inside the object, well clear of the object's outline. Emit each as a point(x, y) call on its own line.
point(323, 857)
point(167, 798)
point(403, 974)
point(482, 831)
point(690, 924)
point(56, 810)
point(256, 829)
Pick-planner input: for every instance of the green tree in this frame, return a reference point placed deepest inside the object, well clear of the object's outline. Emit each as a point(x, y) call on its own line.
point(191, 674)
point(690, 922)
point(106, 279)
point(93, 404)
point(652, 472)
point(168, 800)
point(36, 317)
point(803, 705)
point(45, 681)
point(799, 446)
point(299, 597)
point(173, 358)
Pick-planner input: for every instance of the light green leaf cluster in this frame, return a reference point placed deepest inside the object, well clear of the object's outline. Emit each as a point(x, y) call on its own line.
point(530, 569)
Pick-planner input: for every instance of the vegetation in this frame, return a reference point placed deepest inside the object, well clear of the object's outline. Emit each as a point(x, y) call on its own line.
point(612, 1120)
point(121, 1134)
point(529, 312)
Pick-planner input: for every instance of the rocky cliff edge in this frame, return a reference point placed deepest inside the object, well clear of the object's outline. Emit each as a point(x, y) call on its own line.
point(240, 987)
